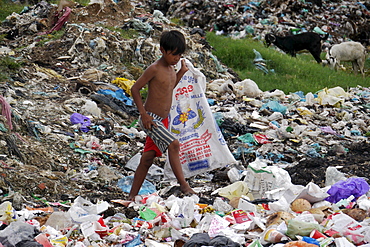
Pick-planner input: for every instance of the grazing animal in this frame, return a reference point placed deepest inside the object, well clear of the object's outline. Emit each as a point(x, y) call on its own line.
point(291, 44)
point(349, 51)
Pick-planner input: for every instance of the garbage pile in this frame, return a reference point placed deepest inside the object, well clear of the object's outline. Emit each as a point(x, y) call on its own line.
point(70, 143)
point(238, 19)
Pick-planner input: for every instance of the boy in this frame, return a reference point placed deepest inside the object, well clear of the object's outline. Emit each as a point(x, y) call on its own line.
point(161, 79)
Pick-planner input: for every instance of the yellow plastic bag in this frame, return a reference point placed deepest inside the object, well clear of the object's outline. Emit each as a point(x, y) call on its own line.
point(333, 96)
point(124, 83)
point(236, 189)
point(7, 212)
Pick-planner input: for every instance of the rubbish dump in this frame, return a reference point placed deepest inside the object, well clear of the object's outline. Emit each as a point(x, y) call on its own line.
point(297, 164)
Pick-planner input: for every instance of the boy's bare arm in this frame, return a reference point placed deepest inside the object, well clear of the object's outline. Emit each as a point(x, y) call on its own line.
point(182, 71)
point(144, 79)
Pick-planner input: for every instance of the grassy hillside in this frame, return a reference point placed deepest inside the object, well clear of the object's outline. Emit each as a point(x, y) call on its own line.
point(290, 74)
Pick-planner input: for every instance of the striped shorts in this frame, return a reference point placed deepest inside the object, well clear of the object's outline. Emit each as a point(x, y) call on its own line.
point(160, 136)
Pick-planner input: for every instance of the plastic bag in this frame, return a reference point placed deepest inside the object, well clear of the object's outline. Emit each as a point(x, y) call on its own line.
point(332, 176)
point(236, 189)
point(77, 118)
point(345, 188)
point(146, 189)
point(301, 228)
point(118, 94)
point(247, 138)
point(247, 88)
point(125, 84)
point(83, 210)
point(7, 212)
point(275, 107)
point(19, 234)
point(261, 178)
point(311, 241)
point(333, 96)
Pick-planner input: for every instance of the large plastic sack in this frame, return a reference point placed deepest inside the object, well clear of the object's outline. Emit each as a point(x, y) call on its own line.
point(345, 188)
point(202, 145)
point(312, 193)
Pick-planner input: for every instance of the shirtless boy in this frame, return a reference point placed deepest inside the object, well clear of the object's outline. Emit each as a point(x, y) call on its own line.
point(161, 79)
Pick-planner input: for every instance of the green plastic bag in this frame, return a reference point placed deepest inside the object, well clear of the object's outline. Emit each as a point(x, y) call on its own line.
point(301, 228)
point(147, 214)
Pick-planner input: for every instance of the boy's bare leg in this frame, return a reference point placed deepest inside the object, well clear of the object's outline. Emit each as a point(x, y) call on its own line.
point(174, 158)
point(146, 162)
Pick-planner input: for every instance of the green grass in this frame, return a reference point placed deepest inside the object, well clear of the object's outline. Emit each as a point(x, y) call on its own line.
point(302, 73)
point(8, 65)
point(126, 34)
point(51, 36)
point(7, 7)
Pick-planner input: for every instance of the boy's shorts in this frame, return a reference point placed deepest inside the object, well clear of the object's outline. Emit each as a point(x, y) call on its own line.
point(159, 138)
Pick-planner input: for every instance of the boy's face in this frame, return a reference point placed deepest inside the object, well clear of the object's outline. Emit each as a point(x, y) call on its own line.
point(170, 57)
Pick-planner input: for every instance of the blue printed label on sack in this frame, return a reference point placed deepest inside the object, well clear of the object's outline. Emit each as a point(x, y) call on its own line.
point(197, 165)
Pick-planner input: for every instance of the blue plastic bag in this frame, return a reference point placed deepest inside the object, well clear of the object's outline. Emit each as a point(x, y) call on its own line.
point(125, 184)
point(311, 241)
point(275, 107)
point(118, 94)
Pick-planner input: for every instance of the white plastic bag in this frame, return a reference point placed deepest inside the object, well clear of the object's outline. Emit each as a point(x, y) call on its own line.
point(261, 178)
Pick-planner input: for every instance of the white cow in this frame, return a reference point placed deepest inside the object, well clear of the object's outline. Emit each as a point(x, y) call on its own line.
point(349, 51)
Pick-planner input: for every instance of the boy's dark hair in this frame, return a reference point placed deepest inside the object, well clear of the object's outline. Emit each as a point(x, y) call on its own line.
point(173, 41)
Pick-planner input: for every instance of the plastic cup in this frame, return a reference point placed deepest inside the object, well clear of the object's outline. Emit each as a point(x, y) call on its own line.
point(317, 234)
point(273, 236)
